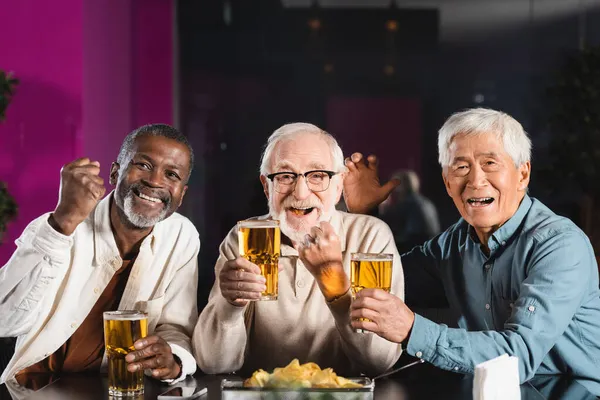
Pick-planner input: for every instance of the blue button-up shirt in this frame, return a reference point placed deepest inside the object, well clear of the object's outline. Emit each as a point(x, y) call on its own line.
point(536, 296)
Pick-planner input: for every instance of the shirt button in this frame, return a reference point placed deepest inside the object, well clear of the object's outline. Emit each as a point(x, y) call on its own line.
point(531, 308)
point(46, 258)
point(512, 305)
point(73, 325)
point(456, 368)
point(419, 354)
point(300, 284)
point(488, 266)
point(503, 243)
point(96, 290)
point(487, 306)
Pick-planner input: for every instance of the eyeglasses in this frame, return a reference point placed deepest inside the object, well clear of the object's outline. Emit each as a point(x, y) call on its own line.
point(317, 180)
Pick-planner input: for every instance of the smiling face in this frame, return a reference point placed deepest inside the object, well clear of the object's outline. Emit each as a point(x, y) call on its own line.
point(151, 186)
point(301, 209)
point(484, 183)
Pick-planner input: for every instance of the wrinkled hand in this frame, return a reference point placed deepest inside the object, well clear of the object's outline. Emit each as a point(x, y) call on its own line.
point(153, 352)
point(389, 317)
point(362, 190)
point(240, 281)
point(321, 254)
point(81, 188)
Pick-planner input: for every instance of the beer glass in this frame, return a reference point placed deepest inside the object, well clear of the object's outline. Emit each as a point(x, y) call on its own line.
point(121, 330)
point(260, 243)
point(368, 270)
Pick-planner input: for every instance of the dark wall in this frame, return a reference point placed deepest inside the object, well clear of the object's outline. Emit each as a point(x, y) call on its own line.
point(246, 70)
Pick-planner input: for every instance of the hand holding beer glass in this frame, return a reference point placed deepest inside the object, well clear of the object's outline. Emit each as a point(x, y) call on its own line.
point(121, 330)
point(373, 271)
point(260, 243)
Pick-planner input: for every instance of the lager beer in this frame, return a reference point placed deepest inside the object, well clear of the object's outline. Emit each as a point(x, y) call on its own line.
point(370, 271)
point(260, 243)
point(121, 330)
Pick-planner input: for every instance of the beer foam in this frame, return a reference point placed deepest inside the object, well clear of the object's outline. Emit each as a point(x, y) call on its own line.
point(124, 316)
point(258, 224)
point(372, 257)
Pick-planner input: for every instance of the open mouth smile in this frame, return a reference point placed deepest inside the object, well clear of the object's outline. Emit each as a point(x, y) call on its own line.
point(480, 201)
point(148, 198)
point(301, 211)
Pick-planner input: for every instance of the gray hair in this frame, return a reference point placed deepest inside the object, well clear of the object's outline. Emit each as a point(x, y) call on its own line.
point(289, 131)
point(163, 130)
point(479, 121)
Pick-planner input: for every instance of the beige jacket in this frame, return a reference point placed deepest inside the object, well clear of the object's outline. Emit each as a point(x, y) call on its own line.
point(300, 324)
point(52, 281)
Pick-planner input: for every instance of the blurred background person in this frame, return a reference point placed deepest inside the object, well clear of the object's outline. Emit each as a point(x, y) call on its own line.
point(412, 217)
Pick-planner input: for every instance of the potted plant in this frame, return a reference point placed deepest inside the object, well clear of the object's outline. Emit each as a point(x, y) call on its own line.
point(8, 207)
point(8, 84)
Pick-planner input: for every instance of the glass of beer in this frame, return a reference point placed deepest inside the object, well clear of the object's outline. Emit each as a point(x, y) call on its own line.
point(260, 243)
point(368, 270)
point(121, 330)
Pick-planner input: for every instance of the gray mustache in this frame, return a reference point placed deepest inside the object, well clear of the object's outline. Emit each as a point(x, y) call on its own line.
point(141, 188)
point(290, 204)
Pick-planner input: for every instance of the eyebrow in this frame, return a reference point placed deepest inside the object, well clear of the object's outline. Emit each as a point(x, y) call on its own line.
point(284, 166)
point(169, 166)
point(289, 167)
point(488, 154)
point(317, 166)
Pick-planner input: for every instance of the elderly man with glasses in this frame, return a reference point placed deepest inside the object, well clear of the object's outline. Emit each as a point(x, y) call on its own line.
point(302, 173)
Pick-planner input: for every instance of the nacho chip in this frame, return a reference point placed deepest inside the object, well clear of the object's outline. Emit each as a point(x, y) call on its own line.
point(298, 376)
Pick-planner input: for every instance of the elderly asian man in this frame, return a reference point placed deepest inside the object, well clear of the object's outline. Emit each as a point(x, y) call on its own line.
point(522, 280)
point(302, 174)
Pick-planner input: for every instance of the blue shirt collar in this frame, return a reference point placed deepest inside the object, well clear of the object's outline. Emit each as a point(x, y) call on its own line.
point(506, 231)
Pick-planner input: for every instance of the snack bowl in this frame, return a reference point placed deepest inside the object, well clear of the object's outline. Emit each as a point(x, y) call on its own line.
point(234, 389)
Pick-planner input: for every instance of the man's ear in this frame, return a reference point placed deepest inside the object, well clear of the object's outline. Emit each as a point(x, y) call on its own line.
point(524, 175)
point(446, 182)
point(265, 184)
point(114, 173)
point(339, 186)
point(182, 195)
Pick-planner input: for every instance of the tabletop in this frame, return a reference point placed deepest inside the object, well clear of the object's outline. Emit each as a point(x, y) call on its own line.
point(420, 382)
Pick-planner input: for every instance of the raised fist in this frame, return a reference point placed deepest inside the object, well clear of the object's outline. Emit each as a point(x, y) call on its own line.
point(81, 188)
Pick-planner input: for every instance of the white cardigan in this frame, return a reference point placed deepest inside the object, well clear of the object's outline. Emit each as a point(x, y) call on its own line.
point(51, 282)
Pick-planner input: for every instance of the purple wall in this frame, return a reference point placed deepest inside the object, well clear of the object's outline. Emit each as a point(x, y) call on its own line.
point(90, 72)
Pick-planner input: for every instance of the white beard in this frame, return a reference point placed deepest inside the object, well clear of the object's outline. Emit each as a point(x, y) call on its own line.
point(297, 235)
point(139, 220)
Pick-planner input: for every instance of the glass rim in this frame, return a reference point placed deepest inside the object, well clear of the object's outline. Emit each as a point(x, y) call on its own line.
point(258, 223)
point(371, 256)
point(124, 315)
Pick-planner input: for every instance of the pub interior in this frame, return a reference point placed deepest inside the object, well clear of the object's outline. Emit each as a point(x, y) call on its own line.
point(382, 76)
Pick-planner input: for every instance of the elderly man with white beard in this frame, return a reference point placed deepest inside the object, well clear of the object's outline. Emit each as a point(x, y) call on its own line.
point(302, 173)
point(128, 250)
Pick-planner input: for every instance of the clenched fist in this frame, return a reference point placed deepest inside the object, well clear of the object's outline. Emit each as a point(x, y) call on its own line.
point(321, 254)
point(81, 188)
